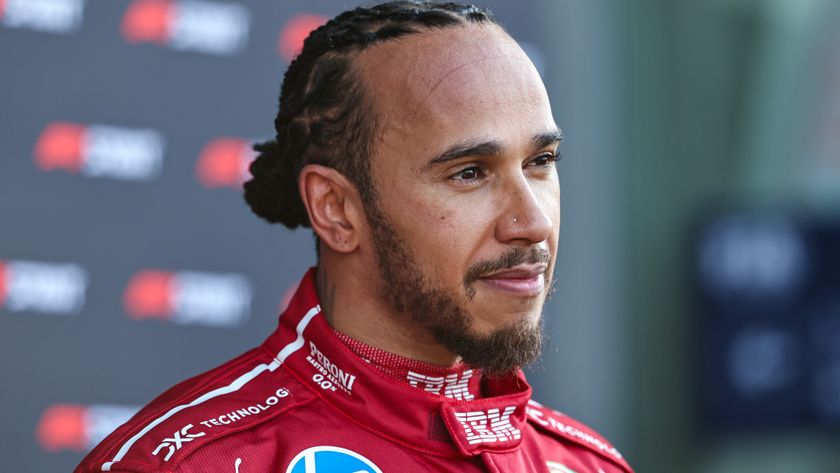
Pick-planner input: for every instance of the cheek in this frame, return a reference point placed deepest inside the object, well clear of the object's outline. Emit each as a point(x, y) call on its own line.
point(424, 213)
point(446, 235)
point(442, 238)
point(555, 210)
point(458, 226)
point(548, 194)
point(551, 198)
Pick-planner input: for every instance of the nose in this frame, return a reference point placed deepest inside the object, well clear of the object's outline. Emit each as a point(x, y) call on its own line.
point(527, 216)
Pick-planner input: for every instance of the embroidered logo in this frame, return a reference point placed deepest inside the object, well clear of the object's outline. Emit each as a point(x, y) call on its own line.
point(572, 431)
point(177, 441)
point(454, 386)
point(239, 414)
point(488, 426)
point(330, 376)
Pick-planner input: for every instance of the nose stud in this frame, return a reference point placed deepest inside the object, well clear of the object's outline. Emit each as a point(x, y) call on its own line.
point(515, 219)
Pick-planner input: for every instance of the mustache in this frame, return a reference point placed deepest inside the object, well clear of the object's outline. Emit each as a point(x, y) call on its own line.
point(509, 259)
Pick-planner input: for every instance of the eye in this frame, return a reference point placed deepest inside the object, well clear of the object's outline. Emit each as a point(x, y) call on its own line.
point(544, 160)
point(472, 173)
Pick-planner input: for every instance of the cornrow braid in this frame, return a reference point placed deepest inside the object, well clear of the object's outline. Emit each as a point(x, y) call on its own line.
point(325, 116)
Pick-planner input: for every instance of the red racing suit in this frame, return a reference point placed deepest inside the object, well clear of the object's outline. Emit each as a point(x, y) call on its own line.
point(303, 402)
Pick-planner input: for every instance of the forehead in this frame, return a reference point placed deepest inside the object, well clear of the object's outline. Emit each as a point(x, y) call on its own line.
point(466, 80)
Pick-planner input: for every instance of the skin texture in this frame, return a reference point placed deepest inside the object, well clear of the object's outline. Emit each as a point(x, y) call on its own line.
point(443, 231)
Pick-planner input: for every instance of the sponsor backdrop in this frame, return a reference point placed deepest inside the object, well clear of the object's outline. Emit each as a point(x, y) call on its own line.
point(128, 259)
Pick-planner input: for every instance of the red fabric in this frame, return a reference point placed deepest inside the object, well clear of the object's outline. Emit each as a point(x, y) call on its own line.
point(304, 399)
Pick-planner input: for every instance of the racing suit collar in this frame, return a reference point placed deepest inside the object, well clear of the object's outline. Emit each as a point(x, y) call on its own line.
point(456, 382)
point(393, 409)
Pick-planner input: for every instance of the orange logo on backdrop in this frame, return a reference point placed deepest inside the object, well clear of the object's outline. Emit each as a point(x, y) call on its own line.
point(60, 147)
point(2, 280)
point(189, 297)
point(147, 20)
point(294, 32)
point(100, 151)
point(224, 162)
point(62, 426)
point(148, 295)
point(209, 27)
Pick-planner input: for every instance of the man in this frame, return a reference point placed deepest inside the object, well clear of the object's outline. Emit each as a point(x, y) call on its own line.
point(417, 141)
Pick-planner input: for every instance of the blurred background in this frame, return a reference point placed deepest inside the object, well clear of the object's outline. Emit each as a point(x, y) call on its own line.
point(697, 318)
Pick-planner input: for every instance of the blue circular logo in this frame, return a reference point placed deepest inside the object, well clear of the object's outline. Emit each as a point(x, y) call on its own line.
point(325, 458)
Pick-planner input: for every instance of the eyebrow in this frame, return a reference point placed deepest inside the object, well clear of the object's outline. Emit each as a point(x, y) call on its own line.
point(492, 147)
point(542, 140)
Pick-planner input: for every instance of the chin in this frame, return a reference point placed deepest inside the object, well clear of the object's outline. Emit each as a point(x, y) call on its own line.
point(508, 307)
point(500, 321)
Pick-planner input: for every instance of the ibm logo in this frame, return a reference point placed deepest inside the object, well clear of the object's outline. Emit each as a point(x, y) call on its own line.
point(488, 427)
point(454, 386)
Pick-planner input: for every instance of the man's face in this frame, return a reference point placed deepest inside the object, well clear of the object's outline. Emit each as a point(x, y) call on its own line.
point(466, 222)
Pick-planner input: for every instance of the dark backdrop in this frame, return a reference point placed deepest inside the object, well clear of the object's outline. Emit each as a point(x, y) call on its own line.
point(128, 259)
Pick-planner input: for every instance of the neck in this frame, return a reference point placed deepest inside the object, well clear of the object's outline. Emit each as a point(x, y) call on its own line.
point(347, 304)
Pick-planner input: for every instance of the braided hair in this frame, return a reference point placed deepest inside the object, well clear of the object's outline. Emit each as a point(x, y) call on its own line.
point(325, 116)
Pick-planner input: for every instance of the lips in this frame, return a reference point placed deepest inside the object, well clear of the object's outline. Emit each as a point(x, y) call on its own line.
point(525, 280)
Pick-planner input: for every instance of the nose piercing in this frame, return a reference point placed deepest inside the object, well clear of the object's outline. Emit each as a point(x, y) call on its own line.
point(515, 219)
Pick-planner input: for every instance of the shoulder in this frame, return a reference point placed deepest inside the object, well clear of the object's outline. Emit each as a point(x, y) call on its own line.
point(234, 398)
point(568, 430)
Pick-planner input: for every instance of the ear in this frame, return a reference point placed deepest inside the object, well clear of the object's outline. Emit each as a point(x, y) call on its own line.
point(333, 206)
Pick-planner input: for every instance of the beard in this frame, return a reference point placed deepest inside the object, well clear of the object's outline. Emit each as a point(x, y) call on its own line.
point(409, 290)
